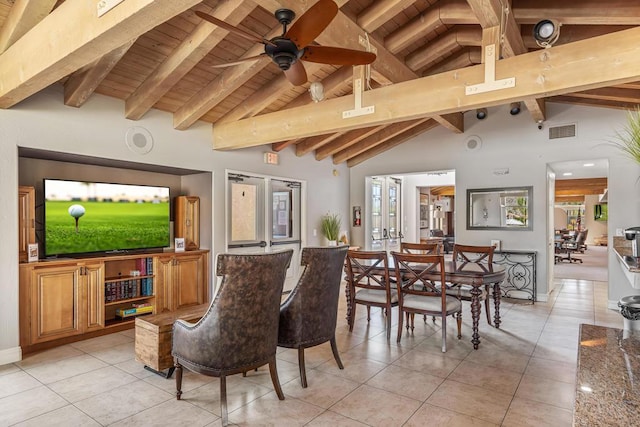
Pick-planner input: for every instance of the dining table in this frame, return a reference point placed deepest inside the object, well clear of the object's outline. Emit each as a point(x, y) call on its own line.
point(477, 275)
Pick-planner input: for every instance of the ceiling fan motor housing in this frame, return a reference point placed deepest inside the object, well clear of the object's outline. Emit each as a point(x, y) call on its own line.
point(284, 53)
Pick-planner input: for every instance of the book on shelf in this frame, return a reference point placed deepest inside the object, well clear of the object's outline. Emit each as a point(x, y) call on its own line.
point(134, 311)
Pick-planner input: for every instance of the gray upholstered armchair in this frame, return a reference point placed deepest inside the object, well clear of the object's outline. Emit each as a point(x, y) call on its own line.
point(239, 331)
point(308, 316)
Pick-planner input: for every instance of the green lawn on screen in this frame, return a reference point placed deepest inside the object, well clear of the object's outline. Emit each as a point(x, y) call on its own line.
point(105, 226)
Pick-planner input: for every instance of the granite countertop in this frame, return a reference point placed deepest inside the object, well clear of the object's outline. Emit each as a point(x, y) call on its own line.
point(622, 248)
point(608, 377)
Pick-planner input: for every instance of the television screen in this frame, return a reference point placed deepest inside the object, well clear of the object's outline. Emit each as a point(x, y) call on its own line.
point(600, 212)
point(83, 217)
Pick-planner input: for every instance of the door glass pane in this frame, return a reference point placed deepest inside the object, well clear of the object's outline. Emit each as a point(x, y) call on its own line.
point(376, 209)
point(393, 209)
point(244, 202)
point(281, 215)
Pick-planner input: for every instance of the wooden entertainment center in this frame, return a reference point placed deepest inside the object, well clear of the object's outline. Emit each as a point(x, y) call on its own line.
point(70, 299)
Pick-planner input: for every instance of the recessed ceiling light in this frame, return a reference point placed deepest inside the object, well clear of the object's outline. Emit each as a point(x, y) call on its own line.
point(567, 174)
point(586, 165)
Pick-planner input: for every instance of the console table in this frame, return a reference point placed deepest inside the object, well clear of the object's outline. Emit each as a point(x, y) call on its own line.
point(521, 273)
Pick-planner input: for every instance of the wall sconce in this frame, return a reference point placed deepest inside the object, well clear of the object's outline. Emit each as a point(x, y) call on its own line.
point(514, 108)
point(316, 90)
point(546, 32)
point(481, 113)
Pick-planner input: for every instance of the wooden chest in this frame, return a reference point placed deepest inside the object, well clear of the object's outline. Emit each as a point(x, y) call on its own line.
point(153, 335)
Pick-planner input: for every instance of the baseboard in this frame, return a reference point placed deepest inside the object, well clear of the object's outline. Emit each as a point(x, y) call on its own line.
point(542, 297)
point(10, 355)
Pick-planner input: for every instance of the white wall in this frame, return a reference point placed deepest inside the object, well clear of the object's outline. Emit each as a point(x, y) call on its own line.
point(514, 142)
point(97, 129)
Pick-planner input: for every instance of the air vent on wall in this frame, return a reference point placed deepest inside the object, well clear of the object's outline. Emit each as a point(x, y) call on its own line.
point(565, 131)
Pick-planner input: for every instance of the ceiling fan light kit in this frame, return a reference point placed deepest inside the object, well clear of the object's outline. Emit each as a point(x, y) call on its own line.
point(293, 46)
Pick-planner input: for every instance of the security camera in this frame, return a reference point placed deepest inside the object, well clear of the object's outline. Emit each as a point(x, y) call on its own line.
point(540, 125)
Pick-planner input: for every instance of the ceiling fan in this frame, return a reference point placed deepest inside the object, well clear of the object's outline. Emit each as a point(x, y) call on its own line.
point(293, 45)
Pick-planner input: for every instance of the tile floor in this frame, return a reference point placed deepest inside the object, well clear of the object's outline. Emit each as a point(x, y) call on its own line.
point(522, 375)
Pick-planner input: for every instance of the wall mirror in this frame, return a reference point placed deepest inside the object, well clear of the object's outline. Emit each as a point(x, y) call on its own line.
point(500, 208)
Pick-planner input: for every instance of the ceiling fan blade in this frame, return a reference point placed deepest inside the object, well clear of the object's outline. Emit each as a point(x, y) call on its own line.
point(239, 61)
point(337, 55)
point(309, 26)
point(242, 33)
point(296, 74)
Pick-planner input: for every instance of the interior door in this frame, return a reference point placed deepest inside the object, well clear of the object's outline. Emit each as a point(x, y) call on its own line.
point(385, 213)
point(264, 215)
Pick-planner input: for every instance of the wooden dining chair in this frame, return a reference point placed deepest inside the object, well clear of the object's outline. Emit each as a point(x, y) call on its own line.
point(368, 281)
point(480, 255)
point(419, 291)
point(429, 248)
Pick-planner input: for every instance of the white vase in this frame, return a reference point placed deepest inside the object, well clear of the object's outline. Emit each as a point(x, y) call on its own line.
point(333, 243)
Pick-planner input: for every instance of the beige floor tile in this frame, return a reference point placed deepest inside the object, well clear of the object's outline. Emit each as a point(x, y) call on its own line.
point(528, 413)
point(381, 352)
point(268, 410)
point(313, 356)
point(122, 402)
point(488, 377)
point(115, 354)
point(355, 368)
point(29, 404)
point(376, 407)
point(91, 383)
point(48, 373)
point(190, 381)
point(329, 418)
point(9, 368)
point(287, 372)
point(406, 382)
point(492, 354)
point(553, 352)
point(240, 391)
point(133, 367)
point(323, 389)
point(49, 356)
point(456, 348)
point(471, 400)
point(171, 413)
point(439, 365)
point(101, 343)
point(16, 382)
point(64, 417)
point(434, 416)
point(553, 370)
point(555, 393)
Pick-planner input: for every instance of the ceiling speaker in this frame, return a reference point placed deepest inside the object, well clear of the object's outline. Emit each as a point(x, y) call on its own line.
point(473, 143)
point(139, 140)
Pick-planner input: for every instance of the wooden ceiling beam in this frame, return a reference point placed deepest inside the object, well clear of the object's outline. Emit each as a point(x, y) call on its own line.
point(81, 84)
point(454, 121)
point(346, 140)
point(559, 70)
point(376, 138)
point(611, 94)
point(466, 57)
point(591, 102)
point(310, 144)
point(569, 199)
point(23, 16)
point(75, 37)
point(378, 13)
point(454, 39)
point(437, 16)
point(191, 50)
point(392, 142)
point(571, 33)
point(590, 12)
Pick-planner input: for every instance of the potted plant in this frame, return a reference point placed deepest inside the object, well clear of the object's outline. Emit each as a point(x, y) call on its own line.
point(330, 227)
point(628, 139)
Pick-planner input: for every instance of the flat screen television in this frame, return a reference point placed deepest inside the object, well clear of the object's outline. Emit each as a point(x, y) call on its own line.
point(84, 217)
point(600, 212)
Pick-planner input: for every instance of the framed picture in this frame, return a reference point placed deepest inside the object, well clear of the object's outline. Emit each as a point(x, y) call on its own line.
point(33, 252)
point(179, 244)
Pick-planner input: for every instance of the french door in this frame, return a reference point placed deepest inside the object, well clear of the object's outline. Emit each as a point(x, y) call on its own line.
point(264, 215)
point(384, 199)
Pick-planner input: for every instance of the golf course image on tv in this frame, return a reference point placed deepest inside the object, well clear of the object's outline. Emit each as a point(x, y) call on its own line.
point(84, 217)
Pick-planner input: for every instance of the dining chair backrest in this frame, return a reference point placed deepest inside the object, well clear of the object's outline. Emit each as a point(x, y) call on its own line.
point(421, 274)
point(465, 254)
point(429, 248)
point(368, 269)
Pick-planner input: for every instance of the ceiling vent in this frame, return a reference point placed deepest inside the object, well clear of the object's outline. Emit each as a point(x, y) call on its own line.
point(564, 131)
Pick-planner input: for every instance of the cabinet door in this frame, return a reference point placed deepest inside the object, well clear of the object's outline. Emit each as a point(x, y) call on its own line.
point(189, 280)
point(55, 296)
point(93, 284)
point(187, 221)
point(163, 283)
point(26, 220)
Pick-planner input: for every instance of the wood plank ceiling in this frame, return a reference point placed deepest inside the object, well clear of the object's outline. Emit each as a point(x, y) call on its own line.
point(161, 55)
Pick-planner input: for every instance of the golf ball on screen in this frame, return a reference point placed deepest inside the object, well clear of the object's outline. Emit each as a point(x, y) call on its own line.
point(76, 211)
